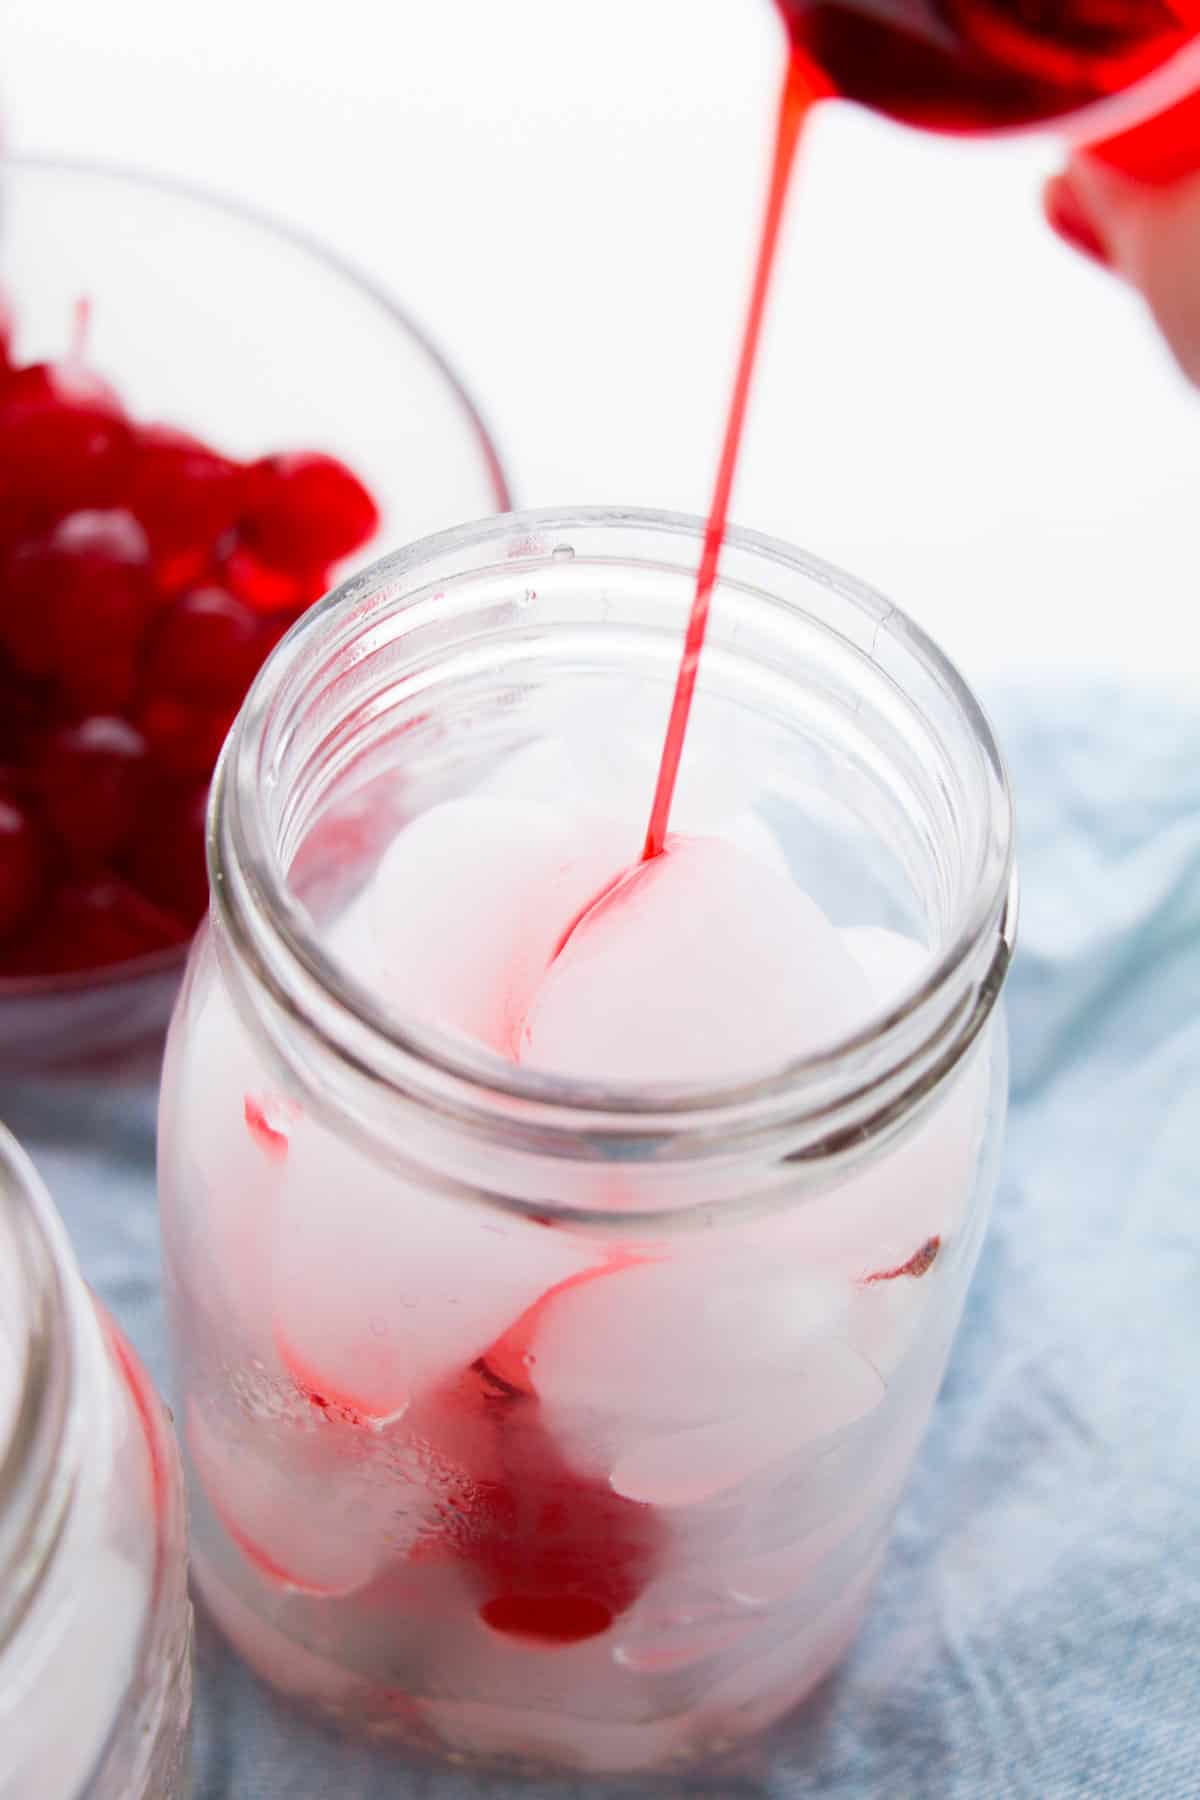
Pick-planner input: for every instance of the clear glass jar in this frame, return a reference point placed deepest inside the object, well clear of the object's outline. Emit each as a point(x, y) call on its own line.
point(447, 1485)
point(95, 1623)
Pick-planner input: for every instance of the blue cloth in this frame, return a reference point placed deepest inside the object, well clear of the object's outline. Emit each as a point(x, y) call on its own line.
point(1036, 1633)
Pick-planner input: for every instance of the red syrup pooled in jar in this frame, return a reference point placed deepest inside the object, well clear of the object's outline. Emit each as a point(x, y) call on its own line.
point(562, 1554)
point(555, 1555)
point(144, 577)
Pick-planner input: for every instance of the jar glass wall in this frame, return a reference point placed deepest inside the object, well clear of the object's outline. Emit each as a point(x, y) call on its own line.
point(95, 1624)
point(537, 1419)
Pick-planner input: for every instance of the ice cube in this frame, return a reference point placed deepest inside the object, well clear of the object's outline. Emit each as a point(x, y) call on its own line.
point(886, 1227)
point(609, 748)
point(820, 1390)
point(851, 1495)
point(671, 1341)
point(226, 1182)
point(554, 1730)
point(618, 779)
point(300, 1501)
point(382, 1288)
point(542, 771)
point(329, 1683)
point(469, 903)
point(891, 961)
point(678, 1378)
point(804, 1643)
point(750, 832)
point(704, 965)
point(685, 1618)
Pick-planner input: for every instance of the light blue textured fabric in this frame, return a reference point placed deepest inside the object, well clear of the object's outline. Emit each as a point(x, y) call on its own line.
point(1036, 1633)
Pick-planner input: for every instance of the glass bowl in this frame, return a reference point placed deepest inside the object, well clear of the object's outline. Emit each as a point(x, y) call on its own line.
point(217, 319)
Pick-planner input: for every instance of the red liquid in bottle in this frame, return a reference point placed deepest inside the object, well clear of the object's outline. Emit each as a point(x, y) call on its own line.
point(977, 65)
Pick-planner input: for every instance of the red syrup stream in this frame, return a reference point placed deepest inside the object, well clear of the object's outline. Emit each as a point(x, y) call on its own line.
point(562, 1554)
point(799, 93)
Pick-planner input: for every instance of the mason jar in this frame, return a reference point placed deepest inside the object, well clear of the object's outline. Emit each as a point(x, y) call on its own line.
point(95, 1624)
point(531, 1418)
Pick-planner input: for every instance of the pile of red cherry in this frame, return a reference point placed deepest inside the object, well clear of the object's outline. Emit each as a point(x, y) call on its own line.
point(143, 579)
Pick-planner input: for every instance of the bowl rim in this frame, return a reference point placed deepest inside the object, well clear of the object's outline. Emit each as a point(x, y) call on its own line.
point(161, 962)
point(300, 238)
point(146, 967)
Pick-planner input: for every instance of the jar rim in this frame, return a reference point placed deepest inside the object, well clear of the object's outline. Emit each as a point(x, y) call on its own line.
point(901, 1052)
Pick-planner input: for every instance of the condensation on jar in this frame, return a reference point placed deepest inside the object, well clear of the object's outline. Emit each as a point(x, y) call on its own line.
point(527, 1420)
point(95, 1622)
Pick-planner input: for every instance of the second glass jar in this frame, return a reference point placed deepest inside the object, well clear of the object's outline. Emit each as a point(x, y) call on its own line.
point(95, 1624)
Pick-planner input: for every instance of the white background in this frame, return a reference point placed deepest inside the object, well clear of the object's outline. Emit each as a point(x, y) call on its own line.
point(565, 192)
